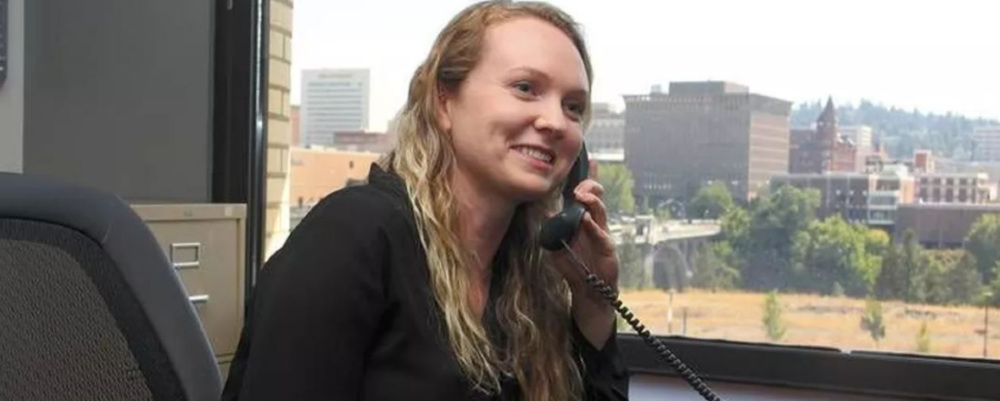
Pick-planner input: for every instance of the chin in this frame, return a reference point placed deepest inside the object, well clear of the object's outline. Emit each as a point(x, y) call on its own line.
point(532, 189)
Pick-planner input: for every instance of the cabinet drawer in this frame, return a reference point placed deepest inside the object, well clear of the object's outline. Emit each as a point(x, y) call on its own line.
point(224, 363)
point(206, 257)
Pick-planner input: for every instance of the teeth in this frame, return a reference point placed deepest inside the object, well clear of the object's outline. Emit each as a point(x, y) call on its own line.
point(538, 154)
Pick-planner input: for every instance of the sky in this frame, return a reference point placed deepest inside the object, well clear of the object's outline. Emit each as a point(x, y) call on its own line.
point(934, 55)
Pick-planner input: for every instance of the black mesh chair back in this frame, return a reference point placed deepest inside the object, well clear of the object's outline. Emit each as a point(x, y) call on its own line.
point(90, 307)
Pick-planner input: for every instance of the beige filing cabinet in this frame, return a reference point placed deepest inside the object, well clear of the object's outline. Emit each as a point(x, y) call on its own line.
point(205, 243)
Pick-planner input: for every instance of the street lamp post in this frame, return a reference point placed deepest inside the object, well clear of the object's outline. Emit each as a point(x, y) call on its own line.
point(987, 297)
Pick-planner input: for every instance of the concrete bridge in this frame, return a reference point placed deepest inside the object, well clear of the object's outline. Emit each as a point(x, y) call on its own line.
point(668, 248)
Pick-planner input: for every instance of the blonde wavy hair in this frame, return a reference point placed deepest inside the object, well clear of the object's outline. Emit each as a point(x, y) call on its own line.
point(533, 309)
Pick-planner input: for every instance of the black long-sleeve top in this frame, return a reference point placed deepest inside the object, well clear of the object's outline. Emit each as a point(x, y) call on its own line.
point(344, 311)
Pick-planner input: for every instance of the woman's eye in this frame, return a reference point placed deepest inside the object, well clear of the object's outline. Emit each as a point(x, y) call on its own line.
point(524, 87)
point(575, 109)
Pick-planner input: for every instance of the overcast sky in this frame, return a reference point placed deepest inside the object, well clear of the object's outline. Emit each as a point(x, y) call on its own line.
point(933, 55)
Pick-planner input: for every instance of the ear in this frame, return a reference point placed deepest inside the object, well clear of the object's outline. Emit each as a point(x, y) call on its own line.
point(442, 110)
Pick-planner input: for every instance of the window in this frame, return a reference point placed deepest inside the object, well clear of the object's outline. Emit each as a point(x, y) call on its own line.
point(698, 130)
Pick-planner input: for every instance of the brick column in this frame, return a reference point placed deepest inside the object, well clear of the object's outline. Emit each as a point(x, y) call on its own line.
point(278, 125)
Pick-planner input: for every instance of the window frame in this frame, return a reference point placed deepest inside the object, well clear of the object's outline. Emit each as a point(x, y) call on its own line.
point(240, 120)
point(819, 368)
point(239, 138)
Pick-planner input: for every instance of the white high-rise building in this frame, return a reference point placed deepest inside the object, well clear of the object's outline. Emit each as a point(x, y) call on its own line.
point(861, 135)
point(333, 100)
point(607, 130)
point(986, 144)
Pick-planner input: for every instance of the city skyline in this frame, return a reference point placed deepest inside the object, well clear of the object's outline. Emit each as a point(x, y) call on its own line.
point(935, 60)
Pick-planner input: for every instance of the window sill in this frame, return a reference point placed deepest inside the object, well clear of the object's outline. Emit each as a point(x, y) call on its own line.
point(817, 368)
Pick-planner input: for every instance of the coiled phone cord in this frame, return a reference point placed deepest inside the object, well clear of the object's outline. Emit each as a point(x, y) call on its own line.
point(611, 296)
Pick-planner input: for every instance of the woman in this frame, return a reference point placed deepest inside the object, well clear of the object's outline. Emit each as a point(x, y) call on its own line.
point(428, 282)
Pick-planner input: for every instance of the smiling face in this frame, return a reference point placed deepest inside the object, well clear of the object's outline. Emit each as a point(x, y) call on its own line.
point(516, 121)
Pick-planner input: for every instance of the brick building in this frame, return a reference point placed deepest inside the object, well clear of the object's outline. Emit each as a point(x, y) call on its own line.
point(823, 148)
point(940, 225)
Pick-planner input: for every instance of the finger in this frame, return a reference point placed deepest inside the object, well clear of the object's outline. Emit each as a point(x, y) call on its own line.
point(563, 264)
point(595, 231)
point(596, 207)
point(590, 186)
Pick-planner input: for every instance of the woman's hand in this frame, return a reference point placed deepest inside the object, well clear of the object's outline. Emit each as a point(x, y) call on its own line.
point(595, 248)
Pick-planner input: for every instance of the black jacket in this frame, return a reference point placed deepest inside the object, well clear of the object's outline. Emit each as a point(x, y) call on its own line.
point(344, 311)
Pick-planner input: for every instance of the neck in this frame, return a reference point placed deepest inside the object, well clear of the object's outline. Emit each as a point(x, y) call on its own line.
point(485, 217)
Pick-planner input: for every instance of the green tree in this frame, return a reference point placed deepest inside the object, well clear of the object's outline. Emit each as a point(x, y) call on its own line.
point(916, 269)
point(774, 324)
point(964, 280)
point(837, 291)
point(877, 242)
point(924, 339)
point(662, 213)
point(951, 277)
point(903, 272)
point(633, 274)
point(872, 321)
point(618, 184)
point(937, 263)
point(735, 225)
point(711, 202)
point(983, 242)
point(994, 288)
point(835, 251)
point(775, 222)
point(711, 270)
point(891, 281)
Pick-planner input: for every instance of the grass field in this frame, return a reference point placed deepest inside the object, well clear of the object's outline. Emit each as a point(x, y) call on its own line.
point(817, 321)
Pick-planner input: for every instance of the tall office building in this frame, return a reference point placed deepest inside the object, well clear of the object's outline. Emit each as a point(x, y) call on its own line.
point(333, 100)
point(703, 132)
point(986, 144)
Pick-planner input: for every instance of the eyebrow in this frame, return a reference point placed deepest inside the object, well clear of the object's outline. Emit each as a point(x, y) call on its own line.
point(536, 73)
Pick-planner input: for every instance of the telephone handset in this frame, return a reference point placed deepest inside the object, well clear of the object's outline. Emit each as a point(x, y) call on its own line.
point(556, 235)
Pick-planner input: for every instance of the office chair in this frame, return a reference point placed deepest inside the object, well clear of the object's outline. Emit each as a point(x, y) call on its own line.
point(90, 308)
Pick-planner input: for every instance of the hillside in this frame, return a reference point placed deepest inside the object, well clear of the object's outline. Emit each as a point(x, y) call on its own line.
point(948, 135)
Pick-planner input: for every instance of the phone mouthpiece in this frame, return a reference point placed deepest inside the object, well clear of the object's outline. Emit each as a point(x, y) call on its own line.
point(560, 228)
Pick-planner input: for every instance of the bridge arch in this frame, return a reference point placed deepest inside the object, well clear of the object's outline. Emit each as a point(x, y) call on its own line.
point(671, 264)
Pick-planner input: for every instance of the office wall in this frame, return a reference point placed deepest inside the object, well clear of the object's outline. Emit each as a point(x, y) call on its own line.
point(12, 92)
point(118, 96)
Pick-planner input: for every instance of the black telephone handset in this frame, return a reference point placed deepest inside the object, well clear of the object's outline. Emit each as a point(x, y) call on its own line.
point(556, 234)
point(560, 228)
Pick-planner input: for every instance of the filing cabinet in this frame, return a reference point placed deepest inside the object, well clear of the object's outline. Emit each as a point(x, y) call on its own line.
point(205, 243)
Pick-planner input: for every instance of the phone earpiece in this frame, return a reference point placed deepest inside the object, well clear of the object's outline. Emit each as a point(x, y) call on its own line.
point(559, 229)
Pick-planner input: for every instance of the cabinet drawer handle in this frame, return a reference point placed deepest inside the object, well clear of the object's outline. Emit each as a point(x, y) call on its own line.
point(193, 264)
point(198, 299)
